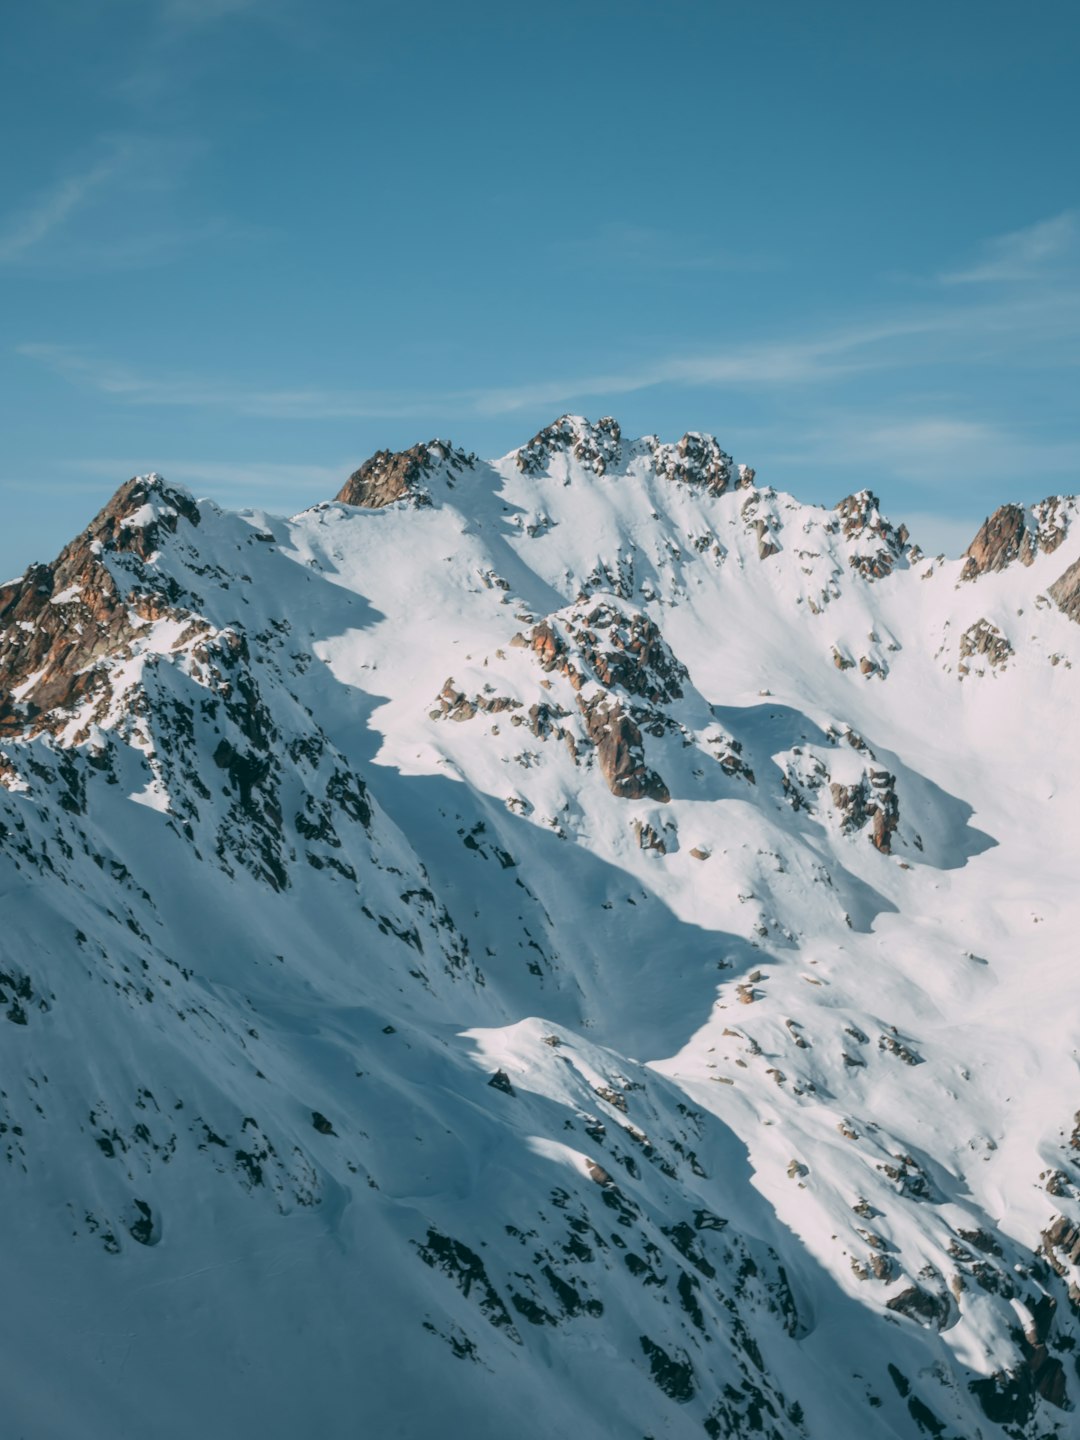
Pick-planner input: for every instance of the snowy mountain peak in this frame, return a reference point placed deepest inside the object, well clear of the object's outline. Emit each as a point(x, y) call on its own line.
point(1013, 532)
point(595, 446)
point(878, 543)
point(390, 476)
point(615, 960)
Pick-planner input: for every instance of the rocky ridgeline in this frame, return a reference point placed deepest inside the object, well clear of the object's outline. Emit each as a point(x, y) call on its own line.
point(63, 625)
point(111, 654)
point(698, 460)
point(597, 448)
point(1013, 533)
point(154, 665)
point(389, 476)
point(878, 544)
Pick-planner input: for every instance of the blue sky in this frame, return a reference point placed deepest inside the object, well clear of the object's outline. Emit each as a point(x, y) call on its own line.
point(247, 242)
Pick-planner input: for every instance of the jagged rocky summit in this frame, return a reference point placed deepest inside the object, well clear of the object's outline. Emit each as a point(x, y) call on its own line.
point(583, 928)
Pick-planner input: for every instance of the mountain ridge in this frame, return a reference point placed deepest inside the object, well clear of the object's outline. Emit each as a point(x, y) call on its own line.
point(661, 852)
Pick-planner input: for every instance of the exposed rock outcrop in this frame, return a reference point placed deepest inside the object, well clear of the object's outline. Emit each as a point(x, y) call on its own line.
point(997, 544)
point(388, 476)
point(58, 621)
point(925, 1308)
point(697, 460)
point(1061, 1248)
point(879, 543)
point(1013, 534)
point(596, 447)
point(1065, 592)
point(984, 639)
point(872, 800)
point(620, 751)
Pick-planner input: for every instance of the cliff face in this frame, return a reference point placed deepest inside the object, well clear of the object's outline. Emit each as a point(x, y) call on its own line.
point(581, 923)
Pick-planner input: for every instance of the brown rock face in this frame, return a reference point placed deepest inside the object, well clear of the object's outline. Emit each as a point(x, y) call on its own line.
point(871, 801)
point(1065, 592)
point(619, 651)
point(1009, 535)
point(1061, 1247)
point(58, 621)
point(930, 1311)
point(620, 752)
point(998, 542)
point(388, 476)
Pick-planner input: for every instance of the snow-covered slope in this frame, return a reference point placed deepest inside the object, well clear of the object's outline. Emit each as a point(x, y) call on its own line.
point(574, 943)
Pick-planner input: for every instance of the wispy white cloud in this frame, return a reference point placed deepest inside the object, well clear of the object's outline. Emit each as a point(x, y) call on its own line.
point(767, 365)
point(1036, 330)
point(51, 208)
point(98, 217)
point(1028, 254)
point(133, 387)
point(953, 457)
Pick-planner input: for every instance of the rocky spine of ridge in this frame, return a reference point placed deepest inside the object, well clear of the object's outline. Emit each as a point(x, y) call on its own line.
point(597, 447)
point(58, 622)
point(389, 476)
point(697, 459)
point(223, 715)
point(879, 543)
point(1012, 533)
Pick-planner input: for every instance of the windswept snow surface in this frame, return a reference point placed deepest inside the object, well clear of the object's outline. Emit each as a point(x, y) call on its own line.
point(588, 947)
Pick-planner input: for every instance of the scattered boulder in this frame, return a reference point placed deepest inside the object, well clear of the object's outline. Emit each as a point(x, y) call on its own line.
point(984, 639)
point(928, 1310)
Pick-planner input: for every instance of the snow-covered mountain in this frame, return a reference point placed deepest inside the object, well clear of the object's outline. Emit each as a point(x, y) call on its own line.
point(578, 943)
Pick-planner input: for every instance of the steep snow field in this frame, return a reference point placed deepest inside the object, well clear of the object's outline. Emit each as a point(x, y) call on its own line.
point(573, 943)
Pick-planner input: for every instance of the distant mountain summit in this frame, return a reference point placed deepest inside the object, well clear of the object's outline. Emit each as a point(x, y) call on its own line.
point(581, 927)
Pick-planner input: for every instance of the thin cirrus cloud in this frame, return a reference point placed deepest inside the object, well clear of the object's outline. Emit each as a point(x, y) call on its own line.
point(58, 227)
point(964, 462)
point(53, 207)
point(1032, 327)
point(796, 362)
point(1032, 253)
point(767, 365)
